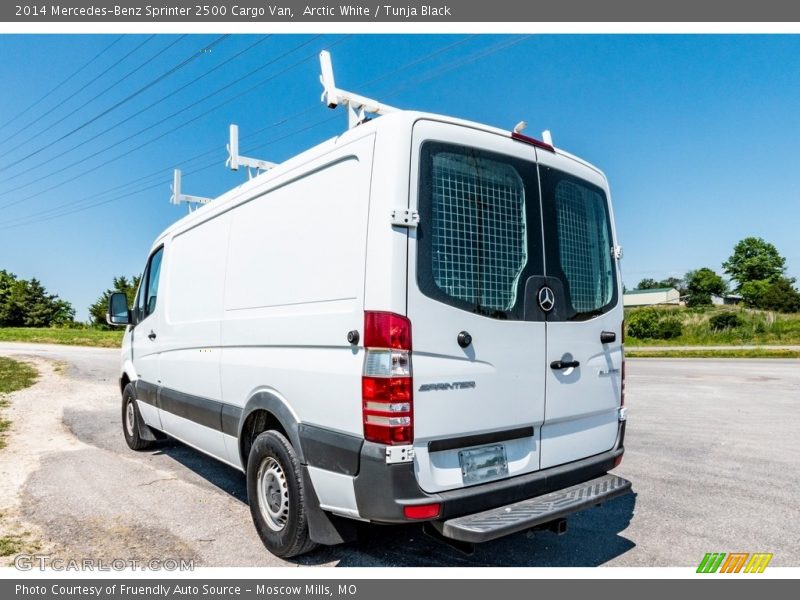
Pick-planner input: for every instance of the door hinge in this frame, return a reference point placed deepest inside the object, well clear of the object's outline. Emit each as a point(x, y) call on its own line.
point(405, 217)
point(399, 454)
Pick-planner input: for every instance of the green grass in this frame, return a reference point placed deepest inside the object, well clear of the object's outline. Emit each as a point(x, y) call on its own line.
point(10, 544)
point(72, 337)
point(757, 327)
point(763, 352)
point(14, 375)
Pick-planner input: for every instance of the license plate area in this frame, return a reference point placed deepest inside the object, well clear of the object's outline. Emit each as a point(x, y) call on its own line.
point(483, 464)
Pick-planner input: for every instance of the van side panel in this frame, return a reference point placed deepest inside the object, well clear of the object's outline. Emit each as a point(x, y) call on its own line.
point(387, 246)
point(294, 289)
point(191, 394)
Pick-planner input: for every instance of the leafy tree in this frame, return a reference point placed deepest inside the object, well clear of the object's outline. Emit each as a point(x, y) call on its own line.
point(754, 259)
point(753, 292)
point(648, 284)
point(701, 284)
point(670, 282)
point(781, 295)
point(674, 282)
point(27, 304)
point(98, 310)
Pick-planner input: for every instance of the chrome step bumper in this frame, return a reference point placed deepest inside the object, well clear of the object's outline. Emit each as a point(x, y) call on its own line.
point(504, 520)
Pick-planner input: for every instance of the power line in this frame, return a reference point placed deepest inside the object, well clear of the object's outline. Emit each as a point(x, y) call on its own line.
point(81, 89)
point(123, 121)
point(63, 81)
point(165, 119)
point(158, 137)
point(32, 219)
point(127, 98)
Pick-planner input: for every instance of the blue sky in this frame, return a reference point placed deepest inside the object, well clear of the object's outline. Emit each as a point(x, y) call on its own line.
point(699, 135)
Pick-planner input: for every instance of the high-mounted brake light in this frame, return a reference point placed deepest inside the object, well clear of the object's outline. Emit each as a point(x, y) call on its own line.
point(526, 139)
point(386, 385)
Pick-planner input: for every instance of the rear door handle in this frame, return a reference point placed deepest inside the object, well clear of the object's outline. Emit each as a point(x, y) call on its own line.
point(152, 335)
point(564, 364)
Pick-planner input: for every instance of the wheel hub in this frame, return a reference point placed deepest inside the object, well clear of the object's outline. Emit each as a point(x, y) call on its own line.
point(130, 418)
point(273, 494)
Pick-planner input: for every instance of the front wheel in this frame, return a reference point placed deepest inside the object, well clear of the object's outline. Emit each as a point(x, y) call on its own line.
point(132, 421)
point(277, 497)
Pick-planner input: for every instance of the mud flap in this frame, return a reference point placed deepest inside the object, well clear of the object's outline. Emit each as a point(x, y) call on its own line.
point(323, 527)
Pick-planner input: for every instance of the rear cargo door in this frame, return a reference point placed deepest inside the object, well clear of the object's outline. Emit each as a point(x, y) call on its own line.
point(584, 350)
point(478, 360)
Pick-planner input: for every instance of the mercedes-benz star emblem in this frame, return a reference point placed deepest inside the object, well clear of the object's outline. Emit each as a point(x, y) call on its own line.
point(547, 300)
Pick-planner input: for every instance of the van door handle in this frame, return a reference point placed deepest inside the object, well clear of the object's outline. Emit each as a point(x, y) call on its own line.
point(564, 364)
point(152, 335)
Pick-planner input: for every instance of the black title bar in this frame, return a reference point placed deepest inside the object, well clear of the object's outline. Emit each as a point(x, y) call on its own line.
point(450, 11)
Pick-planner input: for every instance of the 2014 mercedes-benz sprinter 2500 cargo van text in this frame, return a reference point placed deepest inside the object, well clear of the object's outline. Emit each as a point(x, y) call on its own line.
point(418, 320)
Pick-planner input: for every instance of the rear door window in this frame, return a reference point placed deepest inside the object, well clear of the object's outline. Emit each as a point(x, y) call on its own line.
point(480, 235)
point(578, 242)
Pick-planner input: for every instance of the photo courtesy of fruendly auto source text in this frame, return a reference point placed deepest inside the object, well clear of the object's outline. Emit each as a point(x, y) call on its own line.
point(361, 300)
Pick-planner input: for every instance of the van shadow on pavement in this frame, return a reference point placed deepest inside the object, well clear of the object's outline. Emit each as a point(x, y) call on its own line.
point(593, 536)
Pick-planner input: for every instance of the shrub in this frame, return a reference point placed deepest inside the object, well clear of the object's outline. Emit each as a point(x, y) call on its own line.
point(643, 324)
point(669, 328)
point(724, 321)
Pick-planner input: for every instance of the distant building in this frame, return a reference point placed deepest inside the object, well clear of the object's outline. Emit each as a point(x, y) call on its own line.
point(651, 297)
point(727, 299)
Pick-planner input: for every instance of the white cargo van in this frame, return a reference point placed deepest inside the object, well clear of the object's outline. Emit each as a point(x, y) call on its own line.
point(418, 320)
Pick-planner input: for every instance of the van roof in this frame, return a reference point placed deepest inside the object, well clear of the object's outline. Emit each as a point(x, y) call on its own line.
point(399, 119)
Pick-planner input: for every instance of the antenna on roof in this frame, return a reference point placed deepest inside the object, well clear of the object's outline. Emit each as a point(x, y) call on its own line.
point(235, 161)
point(177, 197)
point(357, 106)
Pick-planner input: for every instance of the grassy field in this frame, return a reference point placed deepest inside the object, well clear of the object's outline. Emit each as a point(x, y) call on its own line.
point(14, 375)
point(754, 327)
point(71, 337)
point(762, 352)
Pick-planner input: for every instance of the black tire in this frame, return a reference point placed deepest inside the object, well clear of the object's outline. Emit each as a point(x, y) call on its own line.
point(276, 494)
point(132, 421)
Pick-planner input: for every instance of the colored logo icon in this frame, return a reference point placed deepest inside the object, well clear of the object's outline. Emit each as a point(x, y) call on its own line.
point(734, 562)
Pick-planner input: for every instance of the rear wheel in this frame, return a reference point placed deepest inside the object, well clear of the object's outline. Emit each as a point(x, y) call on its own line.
point(132, 421)
point(276, 495)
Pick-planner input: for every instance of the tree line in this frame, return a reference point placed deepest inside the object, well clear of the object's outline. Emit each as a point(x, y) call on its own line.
point(757, 273)
point(756, 269)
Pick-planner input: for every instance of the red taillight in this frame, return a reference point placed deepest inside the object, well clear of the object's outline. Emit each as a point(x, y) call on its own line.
point(422, 511)
point(386, 330)
point(617, 461)
point(532, 141)
point(386, 385)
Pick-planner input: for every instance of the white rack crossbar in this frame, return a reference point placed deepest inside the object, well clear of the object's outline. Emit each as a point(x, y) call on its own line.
point(235, 160)
point(357, 106)
point(177, 197)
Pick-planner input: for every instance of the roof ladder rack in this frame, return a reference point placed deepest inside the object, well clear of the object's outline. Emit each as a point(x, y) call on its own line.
point(235, 160)
point(177, 197)
point(357, 106)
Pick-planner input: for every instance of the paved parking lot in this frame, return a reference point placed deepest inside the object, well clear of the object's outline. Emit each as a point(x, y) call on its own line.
point(712, 451)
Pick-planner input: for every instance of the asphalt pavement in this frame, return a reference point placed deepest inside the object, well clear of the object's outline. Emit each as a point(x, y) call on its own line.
point(711, 449)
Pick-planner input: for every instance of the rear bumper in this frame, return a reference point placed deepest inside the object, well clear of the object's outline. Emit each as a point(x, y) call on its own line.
point(382, 491)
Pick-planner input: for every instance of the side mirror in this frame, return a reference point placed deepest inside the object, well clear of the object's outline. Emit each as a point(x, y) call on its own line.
point(118, 312)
